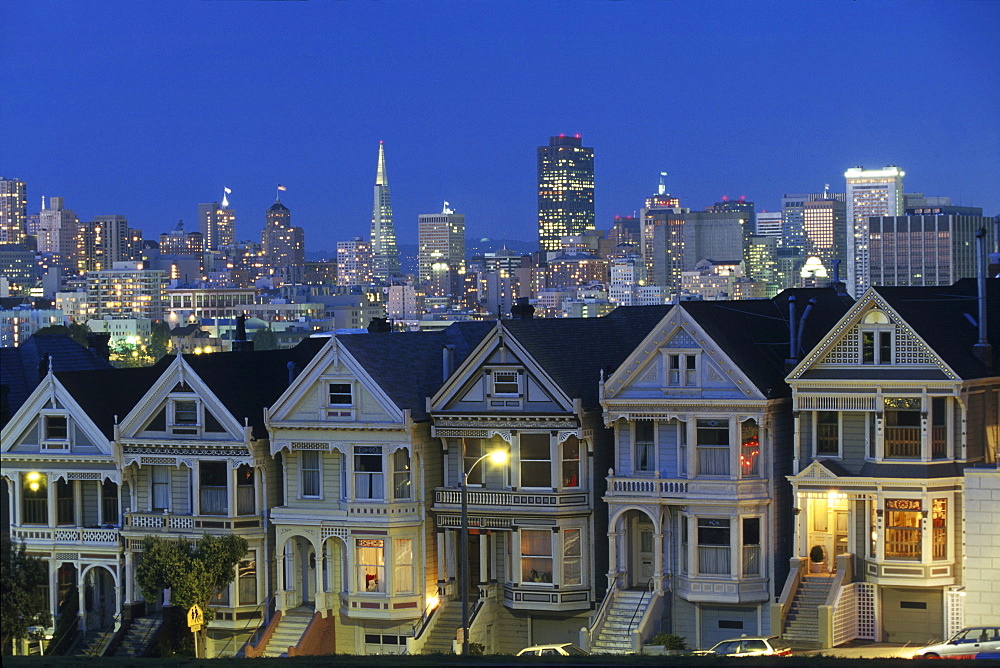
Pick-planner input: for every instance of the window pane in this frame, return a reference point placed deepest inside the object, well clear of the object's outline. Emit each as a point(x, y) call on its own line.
point(247, 581)
point(401, 469)
point(571, 462)
point(536, 556)
point(186, 412)
point(161, 487)
point(536, 466)
point(827, 433)
point(56, 428)
point(403, 572)
point(340, 394)
point(473, 451)
point(749, 449)
point(572, 552)
point(505, 382)
point(370, 554)
point(310, 473)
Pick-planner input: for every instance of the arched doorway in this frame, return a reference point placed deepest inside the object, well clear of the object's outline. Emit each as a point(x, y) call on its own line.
point(637, 535)
point(301, 572)
point(99, 602)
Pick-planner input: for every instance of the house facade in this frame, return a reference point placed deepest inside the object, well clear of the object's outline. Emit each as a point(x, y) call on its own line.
point(697, 502)
point(892, 408)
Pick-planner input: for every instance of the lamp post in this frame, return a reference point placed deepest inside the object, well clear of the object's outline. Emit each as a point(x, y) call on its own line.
point(497, 457)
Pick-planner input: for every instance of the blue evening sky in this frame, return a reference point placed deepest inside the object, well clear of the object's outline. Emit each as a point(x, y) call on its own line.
point(147, 108)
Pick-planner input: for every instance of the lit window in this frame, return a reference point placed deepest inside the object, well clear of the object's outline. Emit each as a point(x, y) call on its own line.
point(536, 556)
point(402, 566)
point(572, 564)
point(370, 558)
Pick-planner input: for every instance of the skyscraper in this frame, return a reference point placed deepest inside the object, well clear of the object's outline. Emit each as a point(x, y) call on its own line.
point(565, 191)
point(870, 192)
point(440, 249)
point(58, 228)
point(102, 242)
point(283, 244)
point(217, 223)
point(354, 262)
point(791, 214)
point(824, 223)
point(13, 210)
point(385, 255)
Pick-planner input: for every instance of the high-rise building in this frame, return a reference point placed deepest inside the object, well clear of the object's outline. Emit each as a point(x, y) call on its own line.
point(217, 223)
point(13, 210)
point(179, 241)
point(770, 224)
point(824, 223)
point(440, 250)
point(675, 240)
point(385, 254)
point(870, 192)
point(102, 242)
point(791, 214)
point(565, 191)
point(354, 262)
point(58, 228)
point(930, 249)
point(126, 290)
point(283, 244)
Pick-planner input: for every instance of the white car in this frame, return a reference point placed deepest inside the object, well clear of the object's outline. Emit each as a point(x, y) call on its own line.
point(965, 644)
point(559, 649)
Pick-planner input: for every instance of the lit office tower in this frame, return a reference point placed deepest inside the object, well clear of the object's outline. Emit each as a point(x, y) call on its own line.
point(217, 223)
point(440, 250)
point(870, 192)
point(824, 224)
point(792, 206)
point(354, 262)
point(675, 240)
point(283, 244)
point(13, 211)
point(565, 191)
point(102, 242)
point(57, 233)
point(769, 224)
point(385, 255)
point(929, 246)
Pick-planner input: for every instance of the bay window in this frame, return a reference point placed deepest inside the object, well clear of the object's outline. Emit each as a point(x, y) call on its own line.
point(401, 474)
point(536, 555)
point(472, 450)
point(713, 447)
point(713, 546)
point(902, 529)
point(751, 546)
point(161, 487)
point(246, 579)
point(536, 460)
point(749, 449)
point(902, 428)
point(402, 574)
point(572, 564)
point(571, 462)
point(370, 559)
point(244, 490)
point(939, 511)
point(214, 488)
point(368, 479)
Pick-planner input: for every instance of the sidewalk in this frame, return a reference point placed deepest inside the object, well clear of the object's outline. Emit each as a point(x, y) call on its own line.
point(860, 649)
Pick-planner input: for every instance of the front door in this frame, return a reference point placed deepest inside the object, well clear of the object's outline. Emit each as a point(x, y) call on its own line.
point(828, 521)
point(642, 552)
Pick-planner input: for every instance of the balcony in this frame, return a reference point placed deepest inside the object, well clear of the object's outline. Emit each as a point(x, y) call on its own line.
point(626, 488)
point(449, 499)
point(519, 596)
point(165, 523)
point(68, 536)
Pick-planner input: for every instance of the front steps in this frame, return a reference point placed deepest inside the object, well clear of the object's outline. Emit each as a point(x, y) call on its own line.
point(614, 635)
point(802, 623)
point(136, 640)
point(448, 619)
point(291, 627)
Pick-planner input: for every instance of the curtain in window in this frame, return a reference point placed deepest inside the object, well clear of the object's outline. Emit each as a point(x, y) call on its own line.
point(713, 447)
point(536, 556)
point(401, 474)
point(571, 462)
point(572, 557)
point(161, 487)
point(403, 562)
point(371, 564)
point(310, 474)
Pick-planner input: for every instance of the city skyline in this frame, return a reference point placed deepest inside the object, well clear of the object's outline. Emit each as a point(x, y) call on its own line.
point(202, 102)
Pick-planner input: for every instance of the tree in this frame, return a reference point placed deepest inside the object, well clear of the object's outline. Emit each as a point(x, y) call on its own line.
point(22, 581)
point(75, 331)
point(159, 340)
point(194, 573)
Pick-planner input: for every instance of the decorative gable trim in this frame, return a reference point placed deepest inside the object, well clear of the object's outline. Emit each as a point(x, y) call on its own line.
point(840, 348)
point(51, 392)
point(178, 372)
point(814, 471)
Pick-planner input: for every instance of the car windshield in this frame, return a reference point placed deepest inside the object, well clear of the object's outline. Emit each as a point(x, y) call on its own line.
point(573, 650)
point(778, 644)
point(754, 646)
point(727, 647)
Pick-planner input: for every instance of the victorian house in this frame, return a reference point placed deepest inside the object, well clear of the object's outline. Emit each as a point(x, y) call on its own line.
point(536, 551)
point(195, 460)
point(356, 552)
point(892, 408)
point(699, 510)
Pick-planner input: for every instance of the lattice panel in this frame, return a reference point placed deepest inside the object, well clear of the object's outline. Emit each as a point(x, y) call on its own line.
point(83, 475)
point(867, 610)
point(67, 556)
point(807, 403)
point(298, 445)
point(180, 523)
point(158, 461)
point(845, 616)
point(845, 352)
point(954, 610)
point(909, 350)
point(681, 340)
point(146, 522)
point(339, 532)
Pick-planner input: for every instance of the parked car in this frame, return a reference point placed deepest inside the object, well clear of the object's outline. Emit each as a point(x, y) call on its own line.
point(965, 644)
point(750, 646)
point(559, 649)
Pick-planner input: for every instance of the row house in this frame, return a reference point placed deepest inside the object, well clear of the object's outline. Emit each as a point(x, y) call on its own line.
point(536, 547)
point(96, 461)
point(354, 546)
point(698, 507)
point(893, 409)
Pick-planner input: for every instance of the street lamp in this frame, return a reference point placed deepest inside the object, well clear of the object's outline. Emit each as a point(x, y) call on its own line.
point(497, 457)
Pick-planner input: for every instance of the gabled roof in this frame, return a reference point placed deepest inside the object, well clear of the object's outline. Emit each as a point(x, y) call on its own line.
point(946, 318)
point(754, 333)
point(574, 351)
point(19, 367)
point(408, 366)
point(108, 393)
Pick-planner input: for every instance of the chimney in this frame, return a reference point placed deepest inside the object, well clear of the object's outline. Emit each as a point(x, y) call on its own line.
point(839, 287)
point(43, 367)
point(447, 361)
point(982, 350)
point(240, 343)
point(100, 344)
point(522, 310)
point(293, 372)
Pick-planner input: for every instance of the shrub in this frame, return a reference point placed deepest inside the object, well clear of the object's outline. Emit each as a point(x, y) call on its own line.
point(669, 640)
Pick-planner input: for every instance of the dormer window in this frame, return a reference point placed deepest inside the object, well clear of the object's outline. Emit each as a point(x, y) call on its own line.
point(184, 418)
point(876, 338)
point(506, 384)
point(682, 369)
point(340, 400)
point(55, 432)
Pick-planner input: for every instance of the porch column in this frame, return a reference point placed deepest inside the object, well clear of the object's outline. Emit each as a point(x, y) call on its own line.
point(194, 484)
point(658, 561)
point(81, 589)
point(692, 546)
point(14, 487)
point(483, 558)
point(50, 493)
point(691, 426)
point(128, 577)
point(231, 491)
point(77, 502)
point(442, 561)
point(282, 572)
point(613, 567)
point(53, 587)
point(925, 433)
point(796, 440)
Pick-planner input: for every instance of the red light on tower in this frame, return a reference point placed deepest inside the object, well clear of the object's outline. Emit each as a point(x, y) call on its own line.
point(743, 198)
point(725, 198)
point(562, 134)
point(577, 135)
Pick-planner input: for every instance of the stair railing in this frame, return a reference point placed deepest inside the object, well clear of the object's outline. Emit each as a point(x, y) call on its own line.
point(638, 606)
point(588, 633)
point(262, 618)
point(101, 646)
point(60, 644)
point(151, 629)
point(779, 609)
